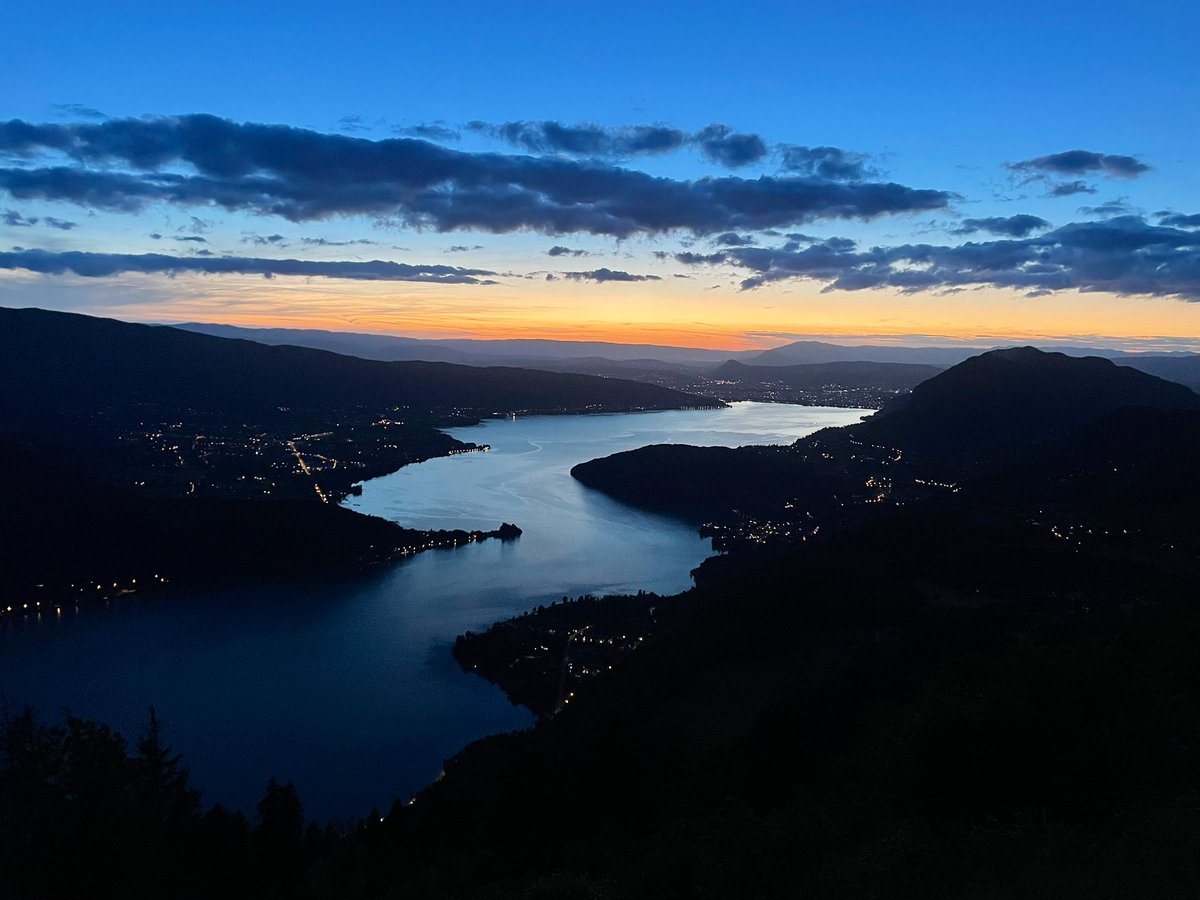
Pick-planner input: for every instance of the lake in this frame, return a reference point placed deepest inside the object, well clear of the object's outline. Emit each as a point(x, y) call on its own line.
point(345, 684)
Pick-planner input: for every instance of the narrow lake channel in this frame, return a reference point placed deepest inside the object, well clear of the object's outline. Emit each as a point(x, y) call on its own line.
point(345, 685)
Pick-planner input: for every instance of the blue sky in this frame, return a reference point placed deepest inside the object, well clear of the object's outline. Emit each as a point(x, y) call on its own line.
point(932, 97)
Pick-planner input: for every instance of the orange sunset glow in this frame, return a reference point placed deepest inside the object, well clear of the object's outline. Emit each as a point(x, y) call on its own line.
point(674, 313)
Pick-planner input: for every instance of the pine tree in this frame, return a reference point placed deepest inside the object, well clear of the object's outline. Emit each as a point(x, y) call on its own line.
point(160, 782)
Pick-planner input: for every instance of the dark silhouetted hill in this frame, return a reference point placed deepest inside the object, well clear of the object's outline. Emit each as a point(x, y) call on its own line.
point(1003, 403)
point(60, 528)
point(531, 352)
point(1182, 367)
point(985, 415)
point(61, 359)
point(809, 352)
point(698, 482)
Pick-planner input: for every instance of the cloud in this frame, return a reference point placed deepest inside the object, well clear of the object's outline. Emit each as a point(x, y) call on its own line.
point(602, 275)
point(559, 250)
point(585, 140)
point(1124, 256)
point(1018, 226)
point(723, 145)
point(191, 237)
point(1067, 188)
point(14, 219)
point(733, 239)
point(261, 240)
point(1176, 220)
point(1081, 162)
point(100, 265)
point(303, 175)
point(1108, 209)
point(353, 124)
point(77, 110)
point(324, 242)
point(825, 162)
point(694, 259)
point(432, 131)
point(718, 143)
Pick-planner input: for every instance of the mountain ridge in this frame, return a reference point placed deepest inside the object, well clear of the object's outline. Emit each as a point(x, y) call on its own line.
point(63, 357)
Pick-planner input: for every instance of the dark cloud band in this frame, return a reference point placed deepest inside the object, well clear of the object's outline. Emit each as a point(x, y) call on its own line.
point(602, 275)
point(1123, 256)
point(825, 162)
point(303, 175)
point(100, 265)
point(1018, 226)
point(585, 140)
point(1082, 162)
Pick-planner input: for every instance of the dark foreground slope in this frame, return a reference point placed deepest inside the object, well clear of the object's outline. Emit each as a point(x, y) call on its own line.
point(989, 690)
point(992, 690)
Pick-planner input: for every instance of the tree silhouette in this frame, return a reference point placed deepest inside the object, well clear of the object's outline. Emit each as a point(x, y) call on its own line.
point(160, 782)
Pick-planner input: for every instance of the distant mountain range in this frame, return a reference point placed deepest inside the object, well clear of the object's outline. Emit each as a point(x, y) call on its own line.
point(648, 362)
point(808, 352)
point(55, 359)
point(472, 352)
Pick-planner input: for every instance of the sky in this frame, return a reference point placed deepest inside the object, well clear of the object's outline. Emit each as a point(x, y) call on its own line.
point(730, 175)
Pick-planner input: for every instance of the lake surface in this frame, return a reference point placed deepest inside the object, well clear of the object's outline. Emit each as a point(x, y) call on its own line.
point(345, 685)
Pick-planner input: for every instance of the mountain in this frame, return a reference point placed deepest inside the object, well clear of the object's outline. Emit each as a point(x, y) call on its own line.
point(1182, 369)
point(985, 688)
point(1002, 403)
point(695, 483)
point(386, 348)
point(887, 376)
point(985, 415)
point(57, 359)
point(808, 352)
point(476, 352)
point(129, 451)
point(61, 527)
point(675, 367)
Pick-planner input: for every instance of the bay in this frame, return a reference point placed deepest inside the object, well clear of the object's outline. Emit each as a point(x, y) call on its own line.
point(345, 684)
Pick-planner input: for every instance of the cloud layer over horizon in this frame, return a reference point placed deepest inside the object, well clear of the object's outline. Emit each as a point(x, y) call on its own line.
point(100, 265)
point(568, 183)
point(1123, 255)
point(125, 165)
